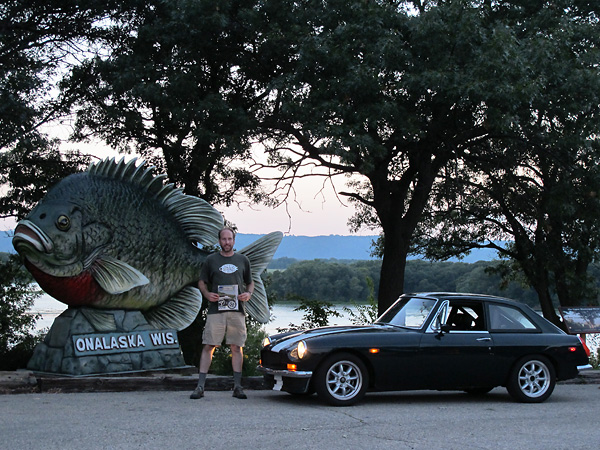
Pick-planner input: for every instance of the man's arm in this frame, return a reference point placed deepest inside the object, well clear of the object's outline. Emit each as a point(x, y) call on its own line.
point(245, 296)
point(210, 296)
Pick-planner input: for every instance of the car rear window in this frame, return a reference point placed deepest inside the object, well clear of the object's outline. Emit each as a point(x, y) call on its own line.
point(506, 318)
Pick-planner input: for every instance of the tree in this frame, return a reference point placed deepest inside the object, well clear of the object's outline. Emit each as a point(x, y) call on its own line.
point(534, 197)
point(16, 298)
point(184, 91)
point(397, 92)
point(37, 40)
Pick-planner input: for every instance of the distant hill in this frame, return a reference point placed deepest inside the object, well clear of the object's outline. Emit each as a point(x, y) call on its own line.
point(338, 247)
point(312, 247)
point(316, 247)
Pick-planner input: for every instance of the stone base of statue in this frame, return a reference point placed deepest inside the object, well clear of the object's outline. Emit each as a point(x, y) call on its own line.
point(74, 347)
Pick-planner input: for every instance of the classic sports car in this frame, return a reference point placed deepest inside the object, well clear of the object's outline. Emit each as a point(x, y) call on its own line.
point(440, 341)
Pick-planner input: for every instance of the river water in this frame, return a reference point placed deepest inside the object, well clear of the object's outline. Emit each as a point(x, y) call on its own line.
point(281, 316)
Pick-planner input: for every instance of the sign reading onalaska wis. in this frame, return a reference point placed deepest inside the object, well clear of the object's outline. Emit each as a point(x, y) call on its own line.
point(138, 341)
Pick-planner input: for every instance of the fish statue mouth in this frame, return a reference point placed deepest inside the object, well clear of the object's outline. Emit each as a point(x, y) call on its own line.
point(27, 234)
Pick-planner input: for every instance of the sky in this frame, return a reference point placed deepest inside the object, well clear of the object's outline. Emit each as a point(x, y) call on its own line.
point(314, 213)
point(316, 210)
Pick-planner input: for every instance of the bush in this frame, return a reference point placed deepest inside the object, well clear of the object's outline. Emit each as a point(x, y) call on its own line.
point(17, 295)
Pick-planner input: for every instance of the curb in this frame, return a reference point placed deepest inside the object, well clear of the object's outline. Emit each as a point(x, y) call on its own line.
point(21, 382)
point(24, 381)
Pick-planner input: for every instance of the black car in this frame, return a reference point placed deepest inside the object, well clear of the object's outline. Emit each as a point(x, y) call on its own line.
point(440, 341)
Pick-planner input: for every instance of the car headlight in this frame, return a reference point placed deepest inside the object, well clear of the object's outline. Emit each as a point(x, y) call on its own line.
point(299, 351)
point(266, 341)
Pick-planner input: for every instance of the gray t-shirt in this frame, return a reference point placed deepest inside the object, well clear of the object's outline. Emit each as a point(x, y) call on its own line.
point(228, 272)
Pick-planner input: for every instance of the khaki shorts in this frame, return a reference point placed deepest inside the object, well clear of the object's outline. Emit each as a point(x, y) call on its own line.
point(230, 323)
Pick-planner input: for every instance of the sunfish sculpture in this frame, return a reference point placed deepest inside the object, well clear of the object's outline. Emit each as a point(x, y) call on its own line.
point(116, 237)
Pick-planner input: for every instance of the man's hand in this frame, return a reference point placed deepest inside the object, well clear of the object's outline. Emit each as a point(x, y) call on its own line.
point(212, 297)
point(244, 296)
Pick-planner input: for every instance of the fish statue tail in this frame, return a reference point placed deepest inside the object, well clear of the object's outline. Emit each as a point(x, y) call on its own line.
point(260, 253)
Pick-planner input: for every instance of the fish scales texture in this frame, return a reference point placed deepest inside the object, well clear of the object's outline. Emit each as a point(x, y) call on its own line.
point(142, 234)
point(117, 237)
point(118, 227)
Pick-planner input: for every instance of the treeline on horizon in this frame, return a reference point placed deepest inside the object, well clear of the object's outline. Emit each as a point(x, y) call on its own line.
point(345, 281)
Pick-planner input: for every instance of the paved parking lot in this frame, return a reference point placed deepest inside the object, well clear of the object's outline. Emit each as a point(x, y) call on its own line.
point(275, 420)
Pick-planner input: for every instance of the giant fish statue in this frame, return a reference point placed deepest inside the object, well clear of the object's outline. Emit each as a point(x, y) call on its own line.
point(117, 237)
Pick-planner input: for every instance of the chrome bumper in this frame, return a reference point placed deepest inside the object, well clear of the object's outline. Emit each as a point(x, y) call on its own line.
point(285, 373)
point(292, 381)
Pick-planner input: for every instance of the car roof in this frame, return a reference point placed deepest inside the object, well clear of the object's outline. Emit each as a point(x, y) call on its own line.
point(461, 296)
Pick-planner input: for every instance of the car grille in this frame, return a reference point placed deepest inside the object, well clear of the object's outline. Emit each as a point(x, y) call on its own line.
point(272, 360)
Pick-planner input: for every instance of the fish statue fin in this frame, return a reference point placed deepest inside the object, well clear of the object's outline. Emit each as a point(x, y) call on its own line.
point(178, 312)
point(100, 320)
point(115, 276)
point(260, 253)
point(197, 218)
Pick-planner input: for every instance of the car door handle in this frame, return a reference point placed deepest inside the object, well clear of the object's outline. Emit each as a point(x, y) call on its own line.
point(484, 339)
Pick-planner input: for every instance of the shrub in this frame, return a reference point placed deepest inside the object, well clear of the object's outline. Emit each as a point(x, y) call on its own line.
point(17, 295)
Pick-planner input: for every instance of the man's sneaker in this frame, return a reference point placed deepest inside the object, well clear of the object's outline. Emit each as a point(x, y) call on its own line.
point(238, 392)
point(198, 393)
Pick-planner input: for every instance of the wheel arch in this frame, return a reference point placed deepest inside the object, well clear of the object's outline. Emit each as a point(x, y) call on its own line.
point(532, 355)
point(354, 352)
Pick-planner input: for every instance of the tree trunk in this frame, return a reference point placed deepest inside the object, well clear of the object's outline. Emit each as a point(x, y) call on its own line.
point(391, 283)
point(548, 310)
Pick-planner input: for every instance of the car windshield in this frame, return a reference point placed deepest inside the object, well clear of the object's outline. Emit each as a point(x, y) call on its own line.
point(409, 312)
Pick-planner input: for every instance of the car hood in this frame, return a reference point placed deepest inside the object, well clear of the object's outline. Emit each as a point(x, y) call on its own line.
point(280, 341)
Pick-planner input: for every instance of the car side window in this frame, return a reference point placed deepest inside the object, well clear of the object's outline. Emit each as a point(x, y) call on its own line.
point(507, 318)
point(466, 317)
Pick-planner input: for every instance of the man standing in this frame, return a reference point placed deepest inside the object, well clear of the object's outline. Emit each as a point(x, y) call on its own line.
point(226, 282)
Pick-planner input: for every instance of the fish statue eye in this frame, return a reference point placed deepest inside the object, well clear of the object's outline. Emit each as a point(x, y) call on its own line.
point(63, 223)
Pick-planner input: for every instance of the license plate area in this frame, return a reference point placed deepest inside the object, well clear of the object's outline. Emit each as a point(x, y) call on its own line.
point(278, 383)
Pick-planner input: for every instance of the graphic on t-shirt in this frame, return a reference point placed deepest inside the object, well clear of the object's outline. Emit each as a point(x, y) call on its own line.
point(228, 268)
point(228, 297)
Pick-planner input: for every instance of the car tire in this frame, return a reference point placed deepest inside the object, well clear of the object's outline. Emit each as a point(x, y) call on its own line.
point(341, 380)
point(532, 380)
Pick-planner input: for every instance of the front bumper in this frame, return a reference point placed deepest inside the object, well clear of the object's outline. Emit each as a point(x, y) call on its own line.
point(294, 382)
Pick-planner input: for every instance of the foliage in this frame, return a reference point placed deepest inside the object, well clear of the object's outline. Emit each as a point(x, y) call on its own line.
point(16, 324)
point(27, 171)
point(592, 341)
point(364, 314)
point(537, 190)
point(317, 314)
point(38, 39)
point(403, 93)
point(183, 92)
point(320, 279)
point(313, 280)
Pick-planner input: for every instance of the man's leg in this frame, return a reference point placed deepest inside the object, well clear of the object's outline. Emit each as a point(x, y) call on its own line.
point(214, 332)
point(206, 357)
point(237, 362)
point(205, 360)
point(237, 358)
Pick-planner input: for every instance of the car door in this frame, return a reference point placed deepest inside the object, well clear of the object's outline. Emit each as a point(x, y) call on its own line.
point(457, 350)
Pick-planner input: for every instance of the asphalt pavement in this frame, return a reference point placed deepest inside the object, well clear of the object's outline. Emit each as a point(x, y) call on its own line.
point(276, 420)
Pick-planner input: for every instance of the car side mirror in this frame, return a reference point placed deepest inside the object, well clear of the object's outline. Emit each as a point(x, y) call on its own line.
point(445, 328)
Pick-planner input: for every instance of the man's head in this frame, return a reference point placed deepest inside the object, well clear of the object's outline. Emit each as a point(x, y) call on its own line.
point(226, 240)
